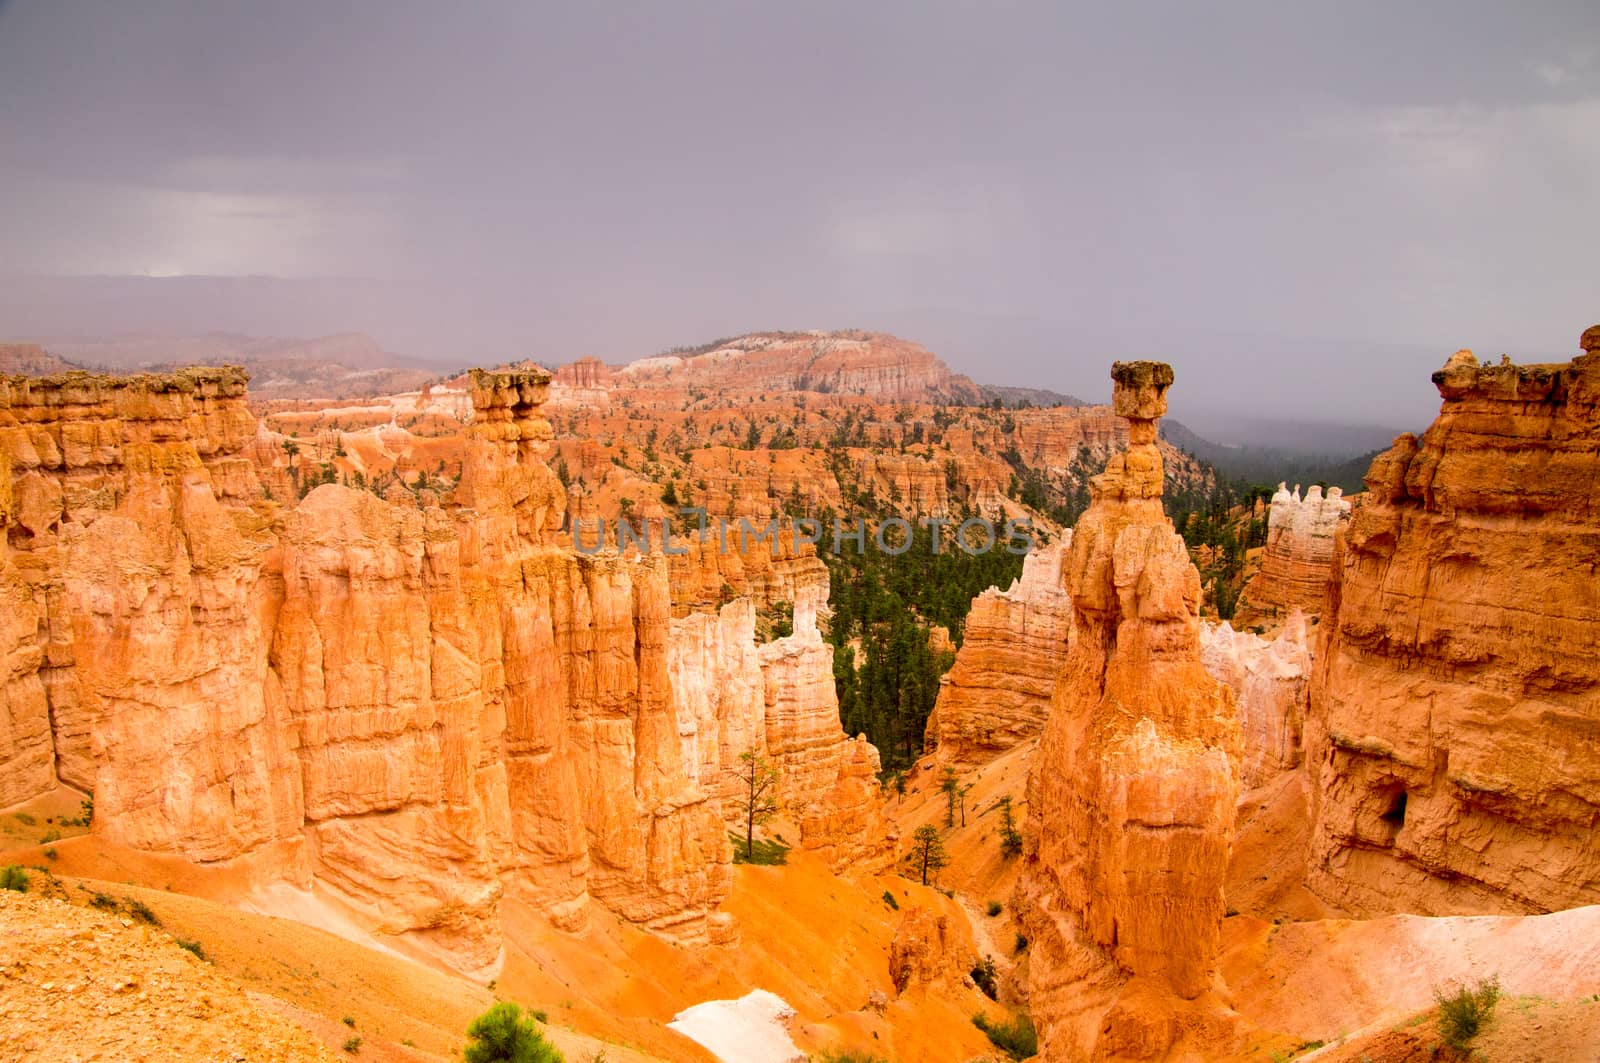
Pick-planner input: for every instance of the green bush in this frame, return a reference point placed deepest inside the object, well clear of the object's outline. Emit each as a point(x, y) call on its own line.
point(888, 898)
point(352, 1045)
point(766, 853)
point(995, 908)
point(141, 911)
point(349, 1020)
point(851, 1055)
point(25, 819)
point(1464, 1013)
point(1021, 944)
point(1016, 1038)
point(13, 878)
point(50, 854)
point(192, 946)
point(503, 1035)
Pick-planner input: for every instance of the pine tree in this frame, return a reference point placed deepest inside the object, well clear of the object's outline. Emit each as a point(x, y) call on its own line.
point(950, 785)
point(927, 852)
point(1010, 837)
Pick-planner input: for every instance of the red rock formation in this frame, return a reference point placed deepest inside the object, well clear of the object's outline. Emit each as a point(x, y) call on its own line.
point(1456, 697)
point(997, 693)
point(411, 707)
point(1133, 788)
point(925, 950)
point(1298, 561)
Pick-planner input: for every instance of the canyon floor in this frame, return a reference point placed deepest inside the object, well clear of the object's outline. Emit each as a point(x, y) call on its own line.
point(87, 979)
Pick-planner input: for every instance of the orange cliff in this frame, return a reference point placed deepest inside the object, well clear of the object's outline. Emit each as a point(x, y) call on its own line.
point(1297, 563)
point(997, 693)
point(1456, 698)
point(1133, 787)
point(411, 710)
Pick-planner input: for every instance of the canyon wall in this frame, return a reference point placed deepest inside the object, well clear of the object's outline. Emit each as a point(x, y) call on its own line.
point(1133, 789)
point(1456, 697)
point(997, 693)
point(1298, 560)
point(415, 707)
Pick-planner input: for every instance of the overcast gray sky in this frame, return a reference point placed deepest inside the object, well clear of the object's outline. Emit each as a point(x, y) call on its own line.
point(1305, 208)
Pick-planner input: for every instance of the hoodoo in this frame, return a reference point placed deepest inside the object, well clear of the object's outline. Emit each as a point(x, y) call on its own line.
point(1133, 790)
point(411, 708)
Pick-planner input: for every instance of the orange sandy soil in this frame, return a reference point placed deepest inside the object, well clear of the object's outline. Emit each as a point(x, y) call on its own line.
point(818, 940)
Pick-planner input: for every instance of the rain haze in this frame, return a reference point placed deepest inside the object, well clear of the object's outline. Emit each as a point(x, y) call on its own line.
point(1304, 210)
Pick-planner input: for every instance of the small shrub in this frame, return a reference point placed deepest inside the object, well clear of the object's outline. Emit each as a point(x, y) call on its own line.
point(26, 820)
point(1464, 1013)
point(540, 1015)
point(1016, 1037)
point(995, 908)
point(192, 946)
point(888, 898)
point(352, 1045)
point(503, 1035)
point(50, 854)
point(104, 901)
point(349, 1020)
point(51, 835)
point(1021, 944)
point(141, 911)
point(984, 977)
point(13, 878)
point(849, 1055)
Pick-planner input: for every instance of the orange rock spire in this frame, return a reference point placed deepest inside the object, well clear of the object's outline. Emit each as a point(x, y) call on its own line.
point(1133, 789)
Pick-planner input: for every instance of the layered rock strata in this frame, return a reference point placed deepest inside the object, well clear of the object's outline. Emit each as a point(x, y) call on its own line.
point(1298, 560)
point(1456, 698)
point(1132, 792)
point(1271, 684)
point(778, 701)
point(414, 709)
point(997, 693)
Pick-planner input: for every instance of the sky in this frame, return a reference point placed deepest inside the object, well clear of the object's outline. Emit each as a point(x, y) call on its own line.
point(1305, 208)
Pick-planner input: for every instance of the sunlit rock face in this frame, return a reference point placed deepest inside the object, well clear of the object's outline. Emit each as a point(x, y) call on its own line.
point(1297, 563)
point(416, 708)
point(997, 693)
point(1456, 697)
point(1132, 795)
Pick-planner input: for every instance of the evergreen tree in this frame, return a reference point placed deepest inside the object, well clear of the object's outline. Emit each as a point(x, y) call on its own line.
point(927, 852)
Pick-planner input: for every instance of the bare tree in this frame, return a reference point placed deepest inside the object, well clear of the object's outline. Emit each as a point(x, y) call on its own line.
point(760, 794)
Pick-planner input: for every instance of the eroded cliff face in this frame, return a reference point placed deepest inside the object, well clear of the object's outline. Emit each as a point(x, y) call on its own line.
point(1456, 699)
point(1133, 788)
point(777, 700)
point(1271, 684)
point(997, 693)
point(1297, 563)
point(413, 709)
